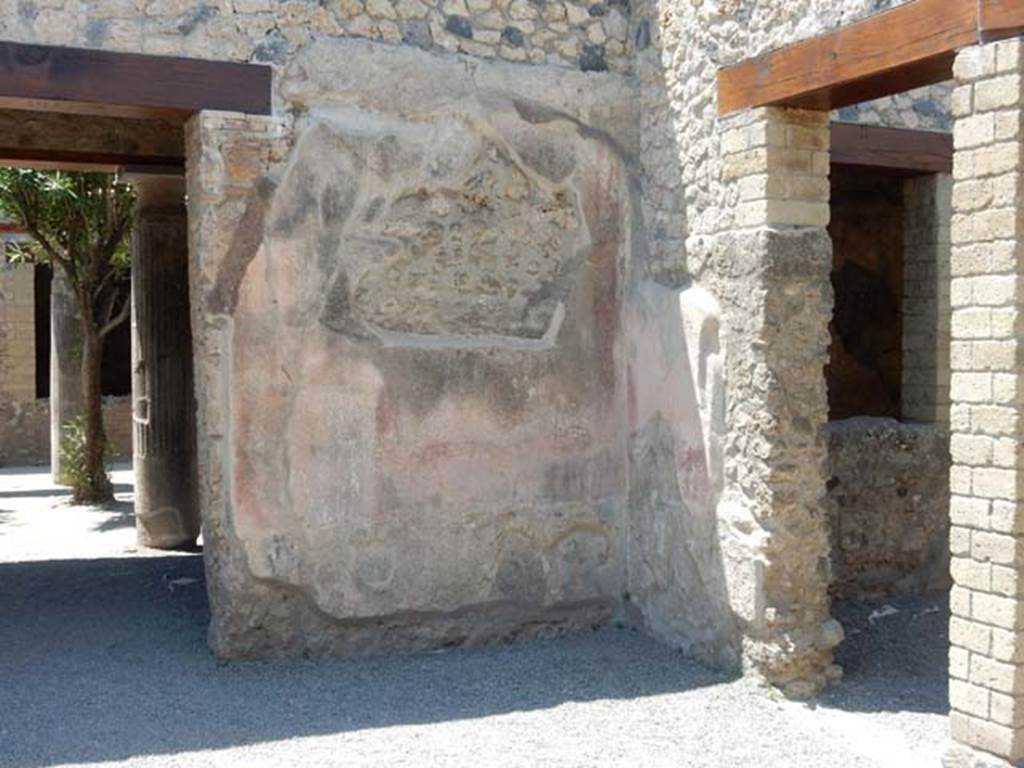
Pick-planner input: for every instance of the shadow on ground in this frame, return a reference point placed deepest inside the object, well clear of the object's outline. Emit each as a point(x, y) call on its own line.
point(123, 516)
point(106, 659)
point(895, 655)
point(54, 492)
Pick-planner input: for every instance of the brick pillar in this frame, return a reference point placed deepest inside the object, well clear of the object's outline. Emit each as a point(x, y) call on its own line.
point(164, 410)
point(987, 347)
point(926, 312)
point(65, 364)
point(773, 276)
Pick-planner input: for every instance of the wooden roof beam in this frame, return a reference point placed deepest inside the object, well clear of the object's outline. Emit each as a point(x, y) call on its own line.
point(81, 80)
point(906, 47)
point(901, 151)
point(1000, 19)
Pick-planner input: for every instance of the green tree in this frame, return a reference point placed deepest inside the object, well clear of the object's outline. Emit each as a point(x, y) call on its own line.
point(79, 223)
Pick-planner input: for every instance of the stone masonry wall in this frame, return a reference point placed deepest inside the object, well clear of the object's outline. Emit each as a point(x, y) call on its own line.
point(704, 182)
point(24, 422)
point(889, 512)
point(693, 206)
point(751, 524)
point(925, 109)
point(592, 36)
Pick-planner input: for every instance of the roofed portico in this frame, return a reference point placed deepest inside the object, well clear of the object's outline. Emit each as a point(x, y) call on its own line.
point(978, 45)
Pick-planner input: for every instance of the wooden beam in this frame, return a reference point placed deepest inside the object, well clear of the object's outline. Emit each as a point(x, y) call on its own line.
point(1000, 19)
point(127, 84)
point(896, 150)
point(76, 160)
point(907, 47)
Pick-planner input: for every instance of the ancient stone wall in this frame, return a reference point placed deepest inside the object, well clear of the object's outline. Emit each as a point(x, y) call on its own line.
point(924, 109)
point(24, 424)
point(591, 36)
point(889, 511)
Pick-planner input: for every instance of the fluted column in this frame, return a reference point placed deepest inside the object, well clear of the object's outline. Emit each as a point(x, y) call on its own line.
point(164, 437)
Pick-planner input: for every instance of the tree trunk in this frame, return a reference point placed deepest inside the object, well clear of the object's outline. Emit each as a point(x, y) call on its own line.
point(95, 485)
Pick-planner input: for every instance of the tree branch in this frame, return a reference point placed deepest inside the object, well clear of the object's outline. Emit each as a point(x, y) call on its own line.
point(27, 211)
point(119, 318)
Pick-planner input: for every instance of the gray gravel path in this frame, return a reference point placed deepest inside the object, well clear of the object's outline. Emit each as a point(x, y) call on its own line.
point(103, 662)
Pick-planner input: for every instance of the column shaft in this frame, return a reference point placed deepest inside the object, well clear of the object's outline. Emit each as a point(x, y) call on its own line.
point(166, 503)
point(775, 261)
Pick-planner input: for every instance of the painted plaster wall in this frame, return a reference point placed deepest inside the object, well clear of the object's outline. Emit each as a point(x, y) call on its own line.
point(415, 318)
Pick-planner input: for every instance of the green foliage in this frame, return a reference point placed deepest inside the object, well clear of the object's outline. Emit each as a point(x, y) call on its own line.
point(78, 219)
point(74, 469)
point(79, 224)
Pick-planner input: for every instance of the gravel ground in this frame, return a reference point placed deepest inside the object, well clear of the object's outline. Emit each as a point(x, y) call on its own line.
point(38, 522)
point(103, 661)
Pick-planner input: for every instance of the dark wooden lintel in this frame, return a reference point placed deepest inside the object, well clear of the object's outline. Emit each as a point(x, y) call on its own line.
point(73, 160)
point(895, 150)
point(127, 84)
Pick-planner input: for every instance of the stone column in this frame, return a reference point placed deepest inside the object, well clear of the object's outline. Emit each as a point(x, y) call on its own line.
point(65, 364)
point(164, 411)
point(771, 273)
point(986, 660)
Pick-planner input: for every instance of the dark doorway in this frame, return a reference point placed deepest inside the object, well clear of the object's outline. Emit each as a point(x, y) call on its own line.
point(865, 359)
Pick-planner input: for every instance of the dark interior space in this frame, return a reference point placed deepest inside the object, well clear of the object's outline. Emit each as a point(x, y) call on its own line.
point(117, 353)
point(41, 289)
point(865, 359)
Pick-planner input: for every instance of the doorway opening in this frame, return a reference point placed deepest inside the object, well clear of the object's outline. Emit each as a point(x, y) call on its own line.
point(41, 393)
point(888, 431)
point(73, 109)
